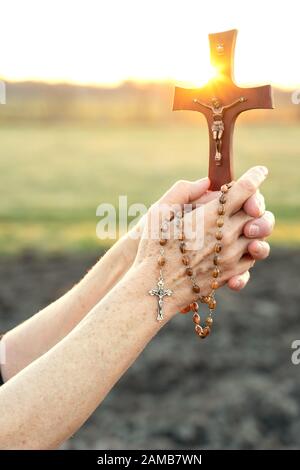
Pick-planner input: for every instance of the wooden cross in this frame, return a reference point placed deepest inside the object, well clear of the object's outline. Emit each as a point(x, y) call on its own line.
point(221, 101)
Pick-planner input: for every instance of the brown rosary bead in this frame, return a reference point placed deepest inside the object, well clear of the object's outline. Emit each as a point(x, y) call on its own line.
point(205, 332)
point(196, 289)
point(216, 260)
point(219, 235)
point(181, 236)
point(185, 309)
point(161, 260)
point(220, 222)
point(218, 247)
point(194, 307)
point(189, 271)
point(163, 241)
point(222, 199)
point(212, 304)
point(165, 226)
point(204, 299)
point(216, 272)
point(186, 260)
point(196, 318)
point(221, 209)
point(199, 330)
point(182, 247)
point(224, 188)
point(209, 321)
point(214, 285)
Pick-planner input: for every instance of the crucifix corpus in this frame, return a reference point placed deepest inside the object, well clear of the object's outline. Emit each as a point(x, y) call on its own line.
point(160, 292)
point(221, 101)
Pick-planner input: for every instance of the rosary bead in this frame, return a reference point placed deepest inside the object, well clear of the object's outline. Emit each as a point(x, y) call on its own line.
point(209, 321)
point(189, 271)
point(181, 237)
point(218, 247)
point(163, 241)
point(221, 209)
point(185, 309)
point(216, 260)
point(196, 318)
point(199, 330)
point(224, 188)
point(219, 235)
point(203, 299)
point(161, 260)
point(194, 307)
point(212, 304)
point(216, 272)
point(186, 260)
point(222, 199)
point(220, 222)
point(182, 247)
point(206, 331)
point(214, 285)
point(164, 227)
point(196, 289)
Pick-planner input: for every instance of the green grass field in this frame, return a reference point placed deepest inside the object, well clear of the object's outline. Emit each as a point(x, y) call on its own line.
point(54, 177)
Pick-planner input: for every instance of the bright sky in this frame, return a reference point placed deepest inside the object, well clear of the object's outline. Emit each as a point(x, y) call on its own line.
point(107, 41)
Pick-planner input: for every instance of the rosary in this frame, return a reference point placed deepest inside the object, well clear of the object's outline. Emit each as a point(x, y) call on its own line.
point(160, 292)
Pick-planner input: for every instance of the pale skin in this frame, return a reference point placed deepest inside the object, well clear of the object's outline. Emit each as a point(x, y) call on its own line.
point(75, 360)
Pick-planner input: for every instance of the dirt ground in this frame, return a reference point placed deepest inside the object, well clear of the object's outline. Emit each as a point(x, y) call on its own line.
point(238, 389)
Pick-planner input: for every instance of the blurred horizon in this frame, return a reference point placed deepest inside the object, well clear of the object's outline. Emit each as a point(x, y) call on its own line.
point(130, 102)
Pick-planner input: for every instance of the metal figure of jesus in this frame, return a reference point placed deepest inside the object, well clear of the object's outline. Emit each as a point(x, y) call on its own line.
point(217, 127)
point(160, 292)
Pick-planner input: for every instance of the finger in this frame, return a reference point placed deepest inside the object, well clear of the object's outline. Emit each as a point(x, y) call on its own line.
point(207, 197)
point(239, 282)
point(255, 205)
point(238, 221)
point(245, 263)
point(185, 192)
point(261, 227)
point(245, 187)
point(259, 249)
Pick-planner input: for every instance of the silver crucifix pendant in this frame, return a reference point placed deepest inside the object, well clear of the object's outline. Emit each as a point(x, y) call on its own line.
point(160, 292)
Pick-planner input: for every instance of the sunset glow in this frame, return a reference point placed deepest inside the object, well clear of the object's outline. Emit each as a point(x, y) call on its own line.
point(106, 42)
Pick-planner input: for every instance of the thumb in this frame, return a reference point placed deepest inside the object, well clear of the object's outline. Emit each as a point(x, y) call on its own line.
point(185, 192)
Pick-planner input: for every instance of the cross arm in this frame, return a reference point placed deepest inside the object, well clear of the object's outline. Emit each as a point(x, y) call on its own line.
point(257, 98)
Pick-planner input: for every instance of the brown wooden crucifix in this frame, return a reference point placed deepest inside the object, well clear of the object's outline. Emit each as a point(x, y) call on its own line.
point(221, 101)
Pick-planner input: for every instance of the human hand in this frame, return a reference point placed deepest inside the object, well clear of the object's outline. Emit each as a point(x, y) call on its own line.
point(235, 254)
point(198, 193)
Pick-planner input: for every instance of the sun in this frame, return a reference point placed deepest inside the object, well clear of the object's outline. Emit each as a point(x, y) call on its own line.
point(206, 74)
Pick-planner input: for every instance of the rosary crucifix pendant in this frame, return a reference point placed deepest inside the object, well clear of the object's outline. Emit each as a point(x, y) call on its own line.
point(217, 127)
point(160, 292)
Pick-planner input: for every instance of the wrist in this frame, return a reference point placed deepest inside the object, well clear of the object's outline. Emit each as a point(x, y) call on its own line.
point(144, 277)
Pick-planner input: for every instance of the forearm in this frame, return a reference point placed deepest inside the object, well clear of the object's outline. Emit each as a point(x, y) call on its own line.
point(50, 399)
point(42, 331)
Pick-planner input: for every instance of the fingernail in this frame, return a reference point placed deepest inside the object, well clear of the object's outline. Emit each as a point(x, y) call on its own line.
point(259, 247)
point(237, 284)
point(253, 230)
